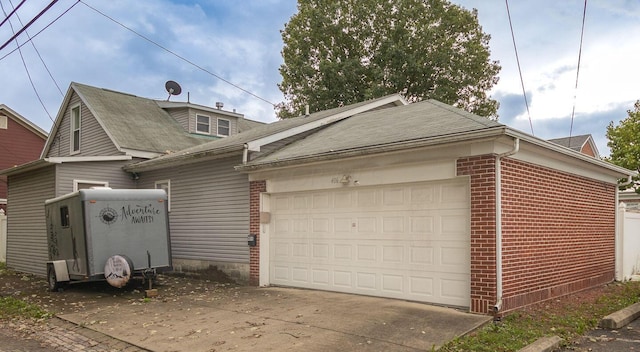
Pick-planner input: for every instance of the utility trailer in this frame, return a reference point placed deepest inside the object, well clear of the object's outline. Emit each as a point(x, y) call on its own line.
point(107, 234)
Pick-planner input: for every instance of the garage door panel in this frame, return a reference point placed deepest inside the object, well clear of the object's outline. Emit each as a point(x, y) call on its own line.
point(408, 241)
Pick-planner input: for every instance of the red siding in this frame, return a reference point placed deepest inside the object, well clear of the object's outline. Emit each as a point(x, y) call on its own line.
point(558, 233)
point(483, 231)
point(18, 145)
point(255, 188)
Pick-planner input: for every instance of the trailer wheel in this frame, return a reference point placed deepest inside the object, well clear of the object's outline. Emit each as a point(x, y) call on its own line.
point(52, 280)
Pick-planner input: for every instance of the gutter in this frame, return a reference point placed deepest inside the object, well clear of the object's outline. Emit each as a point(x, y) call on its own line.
point(498, 179)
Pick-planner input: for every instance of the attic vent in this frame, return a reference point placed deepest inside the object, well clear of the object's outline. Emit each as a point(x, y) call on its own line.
point(219, 105)
point(3, 122)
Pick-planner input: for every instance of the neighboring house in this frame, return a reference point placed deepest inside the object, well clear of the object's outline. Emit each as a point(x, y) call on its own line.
point(97, 132)
point(21, 141)
point(422, 202)
point(630, 197)
point(583, 144)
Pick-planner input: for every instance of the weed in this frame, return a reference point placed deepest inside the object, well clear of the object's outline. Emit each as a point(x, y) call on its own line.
point(11, 307)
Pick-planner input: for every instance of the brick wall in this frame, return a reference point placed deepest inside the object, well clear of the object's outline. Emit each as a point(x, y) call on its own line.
point(255, 188)
point(558, 233)
point(483, 231)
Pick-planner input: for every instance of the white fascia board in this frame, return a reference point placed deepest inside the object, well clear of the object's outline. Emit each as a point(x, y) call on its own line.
point(71, 159)
point(569, 152)
point(255, 145)
point(140, 153)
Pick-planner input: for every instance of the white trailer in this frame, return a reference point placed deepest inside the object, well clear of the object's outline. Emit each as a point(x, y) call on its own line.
point(112, 234)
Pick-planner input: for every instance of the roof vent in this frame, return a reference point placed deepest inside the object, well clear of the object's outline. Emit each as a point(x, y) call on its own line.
point(219, 105)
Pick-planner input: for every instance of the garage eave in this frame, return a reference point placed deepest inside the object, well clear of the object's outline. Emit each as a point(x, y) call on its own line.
point(492, 132)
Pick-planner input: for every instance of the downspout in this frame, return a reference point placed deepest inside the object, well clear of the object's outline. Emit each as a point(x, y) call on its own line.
point(245, 154)
point(498, 178)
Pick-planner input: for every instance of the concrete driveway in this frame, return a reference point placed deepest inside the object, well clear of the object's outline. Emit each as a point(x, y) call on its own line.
point(277, 319)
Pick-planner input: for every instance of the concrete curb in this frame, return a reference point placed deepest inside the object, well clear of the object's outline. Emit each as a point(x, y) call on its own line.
point(543, 344)
point(621, 318)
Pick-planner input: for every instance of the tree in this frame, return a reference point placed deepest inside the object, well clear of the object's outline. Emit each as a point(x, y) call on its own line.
point(346, 51)
point(624, 143)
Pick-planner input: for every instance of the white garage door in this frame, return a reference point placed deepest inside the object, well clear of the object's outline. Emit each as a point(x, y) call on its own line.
point(408, 241)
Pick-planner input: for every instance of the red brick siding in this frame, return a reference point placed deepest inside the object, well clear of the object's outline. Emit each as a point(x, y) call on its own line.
point(558, 233)
point(483, 231)
point(255, 188)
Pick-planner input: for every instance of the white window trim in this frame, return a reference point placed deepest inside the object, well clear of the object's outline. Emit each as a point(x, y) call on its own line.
point(168, 183)
point(72, 130)
point(218, 127)
point(209, 129)
point(4, 122)
point(96, 183)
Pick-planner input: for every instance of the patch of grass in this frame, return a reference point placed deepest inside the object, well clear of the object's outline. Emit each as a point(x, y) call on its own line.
point(11, 307)
point(567, 319)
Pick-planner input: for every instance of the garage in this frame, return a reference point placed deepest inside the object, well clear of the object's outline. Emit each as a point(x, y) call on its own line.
point(408, 241)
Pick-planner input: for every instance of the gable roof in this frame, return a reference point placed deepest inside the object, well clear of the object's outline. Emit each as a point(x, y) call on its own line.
point(5, 110)
point(136, 126)
point(577, 142)
point(423, 124)
point(429, 119)
point(259, 136)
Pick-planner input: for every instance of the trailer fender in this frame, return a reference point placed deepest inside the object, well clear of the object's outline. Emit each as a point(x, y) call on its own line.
point(57, 273)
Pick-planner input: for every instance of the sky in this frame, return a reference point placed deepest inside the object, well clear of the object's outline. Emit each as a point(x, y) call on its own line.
point(218, 50)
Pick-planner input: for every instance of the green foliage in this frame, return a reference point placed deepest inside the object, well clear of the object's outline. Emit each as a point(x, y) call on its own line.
point(11, 307)
point(567, 321)
point(342, 52)
point(624, 142)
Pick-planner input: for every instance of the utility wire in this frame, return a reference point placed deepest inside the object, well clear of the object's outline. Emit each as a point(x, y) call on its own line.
point(12, 12)
point(24, 28)
point(575, 91)
point(24, 63)
point(39, 56)
point(515, 48)
point(40, 31)
point(177, 55)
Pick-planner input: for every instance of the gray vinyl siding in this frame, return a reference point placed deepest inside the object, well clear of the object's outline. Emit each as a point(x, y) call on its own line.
point(209, 217)
point(100, 171)
point(94, 140)
point(233, 122)
point(182, 116)
point(26, 229)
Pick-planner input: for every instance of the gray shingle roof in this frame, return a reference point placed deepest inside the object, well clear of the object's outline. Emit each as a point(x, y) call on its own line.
point(135, 123)
point(236, 142)
point(418, 121)
point(573, 142)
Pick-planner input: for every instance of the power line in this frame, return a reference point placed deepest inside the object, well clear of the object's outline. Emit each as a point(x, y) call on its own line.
point(515, 48)
point(24, 63)
point(575, 91)
point(39, 56)
point(24, 28)
point(178, 56)
point(12, 12)
point(40, 31)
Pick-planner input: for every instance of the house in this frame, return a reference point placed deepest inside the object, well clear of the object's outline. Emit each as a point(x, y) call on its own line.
point(583, 144)
point(107, 138)
point(21, 141)
point(422, 201)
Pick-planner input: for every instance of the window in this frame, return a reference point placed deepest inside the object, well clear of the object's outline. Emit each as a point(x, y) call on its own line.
point(166, 186)
point(203, 124)
point(3, 122)
point(223, 127)
point(84, 184)
point(64, 216)
point(75, 129)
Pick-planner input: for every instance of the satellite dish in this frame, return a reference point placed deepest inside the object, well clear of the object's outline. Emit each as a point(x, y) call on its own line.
point(173, 88)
